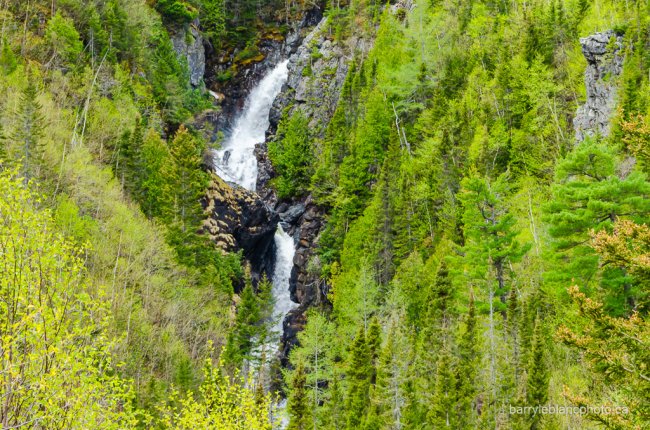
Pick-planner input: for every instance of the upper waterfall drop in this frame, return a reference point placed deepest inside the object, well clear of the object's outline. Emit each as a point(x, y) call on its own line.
point(236, 161)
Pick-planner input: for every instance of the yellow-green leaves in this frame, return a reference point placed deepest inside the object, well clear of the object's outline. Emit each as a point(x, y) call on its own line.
point(54, 353)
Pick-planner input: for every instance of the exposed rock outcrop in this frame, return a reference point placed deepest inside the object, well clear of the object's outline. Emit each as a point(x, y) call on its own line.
point(232, 76)
point(604, 54)
point(240, 220)
point(317, 71)
point(188, 44)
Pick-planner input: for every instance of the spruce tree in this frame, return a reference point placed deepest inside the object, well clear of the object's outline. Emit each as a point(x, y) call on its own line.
point(374, 344)
point(187, 180)
point(490, 231)
point(8, 62)
point(298, 403)
point(444, 399)
point(538, 376)
point(360, 371)
point(466, 371)
point(239, 345)
point(154, 197)
point(388, 397)
point(29, 130)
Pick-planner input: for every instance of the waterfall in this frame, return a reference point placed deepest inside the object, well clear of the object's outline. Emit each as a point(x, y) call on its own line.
point(285, 250)
point(235, 161)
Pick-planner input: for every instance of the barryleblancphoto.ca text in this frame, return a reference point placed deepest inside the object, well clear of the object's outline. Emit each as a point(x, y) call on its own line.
point(564, 410)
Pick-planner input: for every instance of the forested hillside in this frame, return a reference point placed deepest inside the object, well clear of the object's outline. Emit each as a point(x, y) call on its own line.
point(465, 185)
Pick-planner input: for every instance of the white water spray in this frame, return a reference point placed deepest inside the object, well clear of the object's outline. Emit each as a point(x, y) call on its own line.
point(235, 161)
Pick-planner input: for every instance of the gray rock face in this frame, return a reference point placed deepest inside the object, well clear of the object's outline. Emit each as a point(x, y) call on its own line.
point(317, 71)
point(188, 44)
point(604, 55)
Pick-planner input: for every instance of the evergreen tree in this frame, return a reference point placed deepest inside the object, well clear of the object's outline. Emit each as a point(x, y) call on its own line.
point(29, 130)
point(467, 369)
point(374, 343)
point(537, 383)
point(359, 373)
point(298, 403)
point(240, 343)
point(128, 159)
point(291, 155)
point(153, 194)
point(490, 231)
point(589, 195)
point(388, 397)
point(186, 179)
point(444, 399)
point(8, 62)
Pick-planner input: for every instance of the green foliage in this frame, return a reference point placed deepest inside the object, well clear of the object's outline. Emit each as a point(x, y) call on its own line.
point(29, 131)
point(8, 61)
point(177, 11)
point(590, 195)
point(291, 156)
point(63, 39)
point(222, 404)
point(490, 232)
point(298, 405)
point(537, 382)
point(56, 359)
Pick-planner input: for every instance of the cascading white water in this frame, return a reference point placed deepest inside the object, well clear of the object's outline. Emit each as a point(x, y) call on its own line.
point(235, 161)
point(285, 250)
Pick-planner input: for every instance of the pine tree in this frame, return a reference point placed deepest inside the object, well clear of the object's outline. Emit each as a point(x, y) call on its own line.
point(29, 130)
point(298, 403)
point(589, 195)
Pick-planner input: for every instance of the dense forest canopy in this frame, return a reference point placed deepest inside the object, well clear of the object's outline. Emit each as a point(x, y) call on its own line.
point(483, 180)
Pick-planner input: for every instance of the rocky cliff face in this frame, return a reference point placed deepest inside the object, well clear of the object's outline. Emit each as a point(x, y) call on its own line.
point(188, 44)
point(240, 220)
point(246, 221)
point(231, 79)
point(604, 55)
point(317, 71)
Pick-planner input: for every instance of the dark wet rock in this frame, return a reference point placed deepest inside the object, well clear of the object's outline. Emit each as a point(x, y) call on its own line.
point(233, 79)
point(240, 220)
point(292, 214)
point(604, 54)
point(292, 324)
